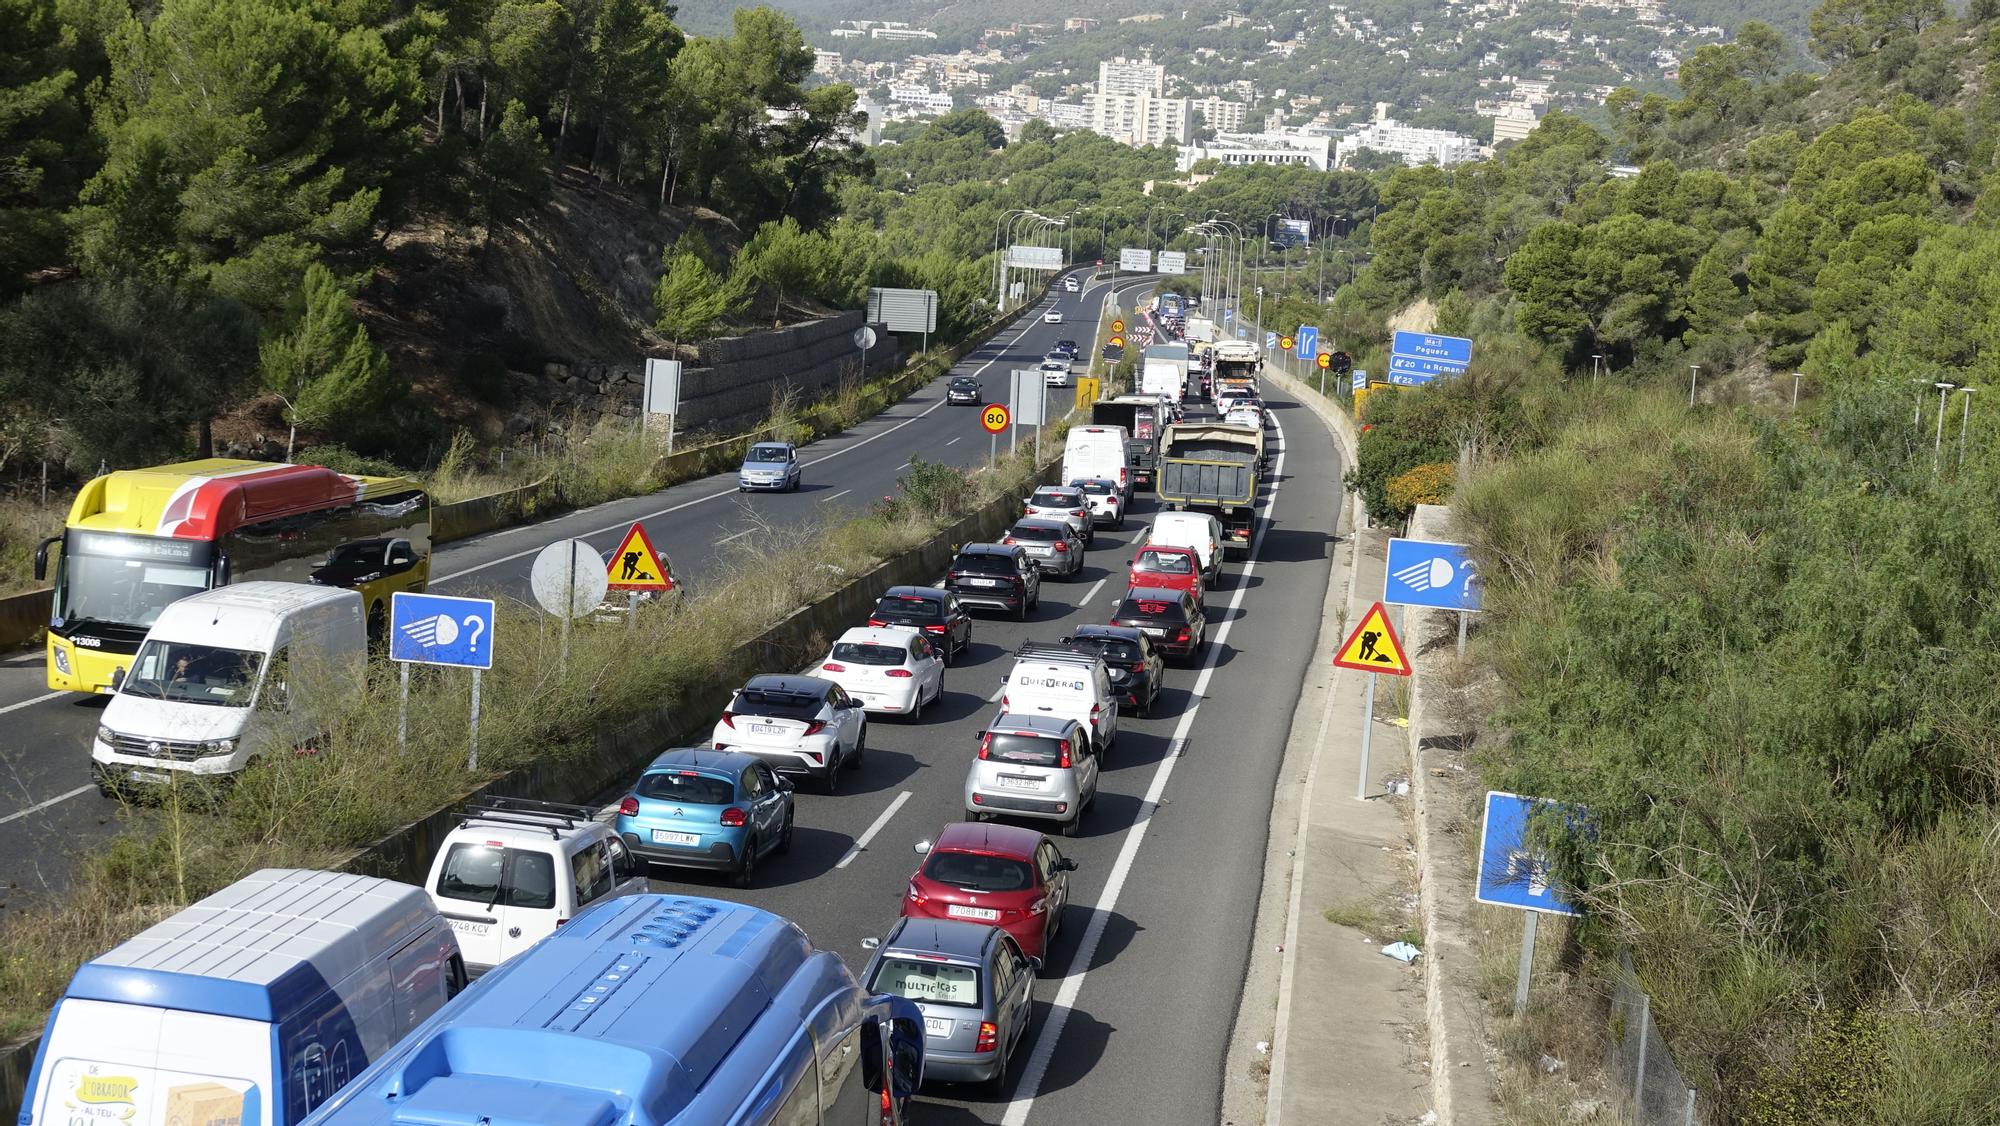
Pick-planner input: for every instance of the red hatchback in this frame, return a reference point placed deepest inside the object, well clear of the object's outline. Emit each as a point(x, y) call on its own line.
point(1158, 565)
point(1001, 875)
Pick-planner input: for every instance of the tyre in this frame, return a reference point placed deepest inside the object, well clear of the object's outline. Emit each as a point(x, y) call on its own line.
point(974, 815)
point(853, 759)
point(830, 781)
point(746, 868)
point(997, 1086)
point(785, 836)
point(1074, 825)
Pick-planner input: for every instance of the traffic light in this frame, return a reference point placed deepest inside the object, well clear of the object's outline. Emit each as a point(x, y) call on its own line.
point(1342, 362)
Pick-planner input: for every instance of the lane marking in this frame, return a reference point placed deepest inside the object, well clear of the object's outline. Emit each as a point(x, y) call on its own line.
point(734, 538)
point(836, 496)
point(868, 834)
point(1093, 592)
point(954, 439)
point(1051, 1029)
point(905, 465)
point(31, 701)
point(39, 806)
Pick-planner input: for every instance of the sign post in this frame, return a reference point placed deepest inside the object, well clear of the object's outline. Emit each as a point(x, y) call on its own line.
point(1510, 875)
point(1372, 648)
point(568, 581)
point(435, 629)
point(1434, 576)
point(993, 419)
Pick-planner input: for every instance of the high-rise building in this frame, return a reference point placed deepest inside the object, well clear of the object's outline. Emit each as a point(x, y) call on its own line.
point(1131, 76)
point(1141, 119)
point(1221, 115)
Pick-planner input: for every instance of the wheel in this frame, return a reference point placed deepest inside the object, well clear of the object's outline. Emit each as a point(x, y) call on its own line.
point(997, 1086)
point(830, 781)
point(1072, 826)
point(853, 760)
point(746, 868)
point(974, 815)
point(785, 836)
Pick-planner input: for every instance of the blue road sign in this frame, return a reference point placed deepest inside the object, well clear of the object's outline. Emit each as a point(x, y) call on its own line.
point(1414, 370)
point(1270, 341)
point(433, 629)
point(1436, 576)
point(1228, 315)
point(1360, 379)
point(1308, 342)
point(1424, 345)
point(1509, 874)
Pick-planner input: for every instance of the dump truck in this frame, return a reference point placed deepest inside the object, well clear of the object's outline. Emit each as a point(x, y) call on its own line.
point(1144, 419)
point(1214, 467)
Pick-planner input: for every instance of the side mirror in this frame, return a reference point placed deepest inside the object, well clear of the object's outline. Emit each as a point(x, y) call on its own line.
point(787, 785)
point(870, 943)
point(923, 847)
point(1065, 865)
point(42, 557)
point(117, 678)
point(1035, 964)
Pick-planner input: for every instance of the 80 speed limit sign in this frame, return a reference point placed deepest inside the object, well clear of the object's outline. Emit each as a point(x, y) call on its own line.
point(993, 418)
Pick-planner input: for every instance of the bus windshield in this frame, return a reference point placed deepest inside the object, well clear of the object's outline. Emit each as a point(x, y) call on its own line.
point(128, 580)
point(194, 674)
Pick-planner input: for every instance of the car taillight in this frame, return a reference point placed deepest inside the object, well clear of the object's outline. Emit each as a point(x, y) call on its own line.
point(1039, 906)
point(815, 726)
point(989, 1037)
point(831, 667)
point(985, 742)
point(1064, 761)
point(733, 816)
point(1183, 635)
point(1008, 540)
point(1079, 512)
point(629, 807)
point(729, 720)
point(1095, 711)
point(1003, 702)
point(900, 674)
point(916, 896)
point(877, 622)
point(933, 629)
point(1139, 667)
point(1121, 476)
point(1062, 547)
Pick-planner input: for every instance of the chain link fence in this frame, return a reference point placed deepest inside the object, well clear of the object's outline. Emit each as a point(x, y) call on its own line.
point(1639, 1061)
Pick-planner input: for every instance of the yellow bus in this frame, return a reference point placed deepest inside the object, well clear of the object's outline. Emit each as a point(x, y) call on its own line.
point(139, 539)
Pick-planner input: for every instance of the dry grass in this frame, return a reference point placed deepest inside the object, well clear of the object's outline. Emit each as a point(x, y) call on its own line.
point(24, 523)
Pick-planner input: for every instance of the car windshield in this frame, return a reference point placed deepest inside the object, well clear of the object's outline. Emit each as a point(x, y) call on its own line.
point(975, 872)
point(476, 872)
point(1114, 650)
point(1152, 609)
point(1035, 532)
point(1028, 750)
point(685, 787)
point(965, 383)
point(867, 653)
point(984, 564)
point(933, 983)
point(766, 453)
point(1096, 488)
point(361, 553)
point(195, 674)
point(776, 705)
point(1164, 563)
point(1055, 498)
point(905, 609)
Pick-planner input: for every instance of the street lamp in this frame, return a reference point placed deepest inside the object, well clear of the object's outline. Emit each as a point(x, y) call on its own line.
point(1000, 262)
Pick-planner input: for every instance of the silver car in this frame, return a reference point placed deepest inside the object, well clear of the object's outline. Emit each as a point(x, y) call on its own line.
point(1035, 766)
point(772, 466)
point(975, 987)
point(1065, 503)
point(1052, 544)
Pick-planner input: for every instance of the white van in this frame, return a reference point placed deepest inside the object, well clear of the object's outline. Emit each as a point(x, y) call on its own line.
point(1055, 680)
point(230, 674)
point(1198, 530)
point(1099, 451)
point(254, 1005)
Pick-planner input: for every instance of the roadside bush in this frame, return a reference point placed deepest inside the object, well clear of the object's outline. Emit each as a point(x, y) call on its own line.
point(1426, 484)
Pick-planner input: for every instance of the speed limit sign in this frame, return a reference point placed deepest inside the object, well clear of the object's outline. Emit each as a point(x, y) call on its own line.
point(994, 418)
point(1118, 326)
point(1325, 359)
point(1285, 343)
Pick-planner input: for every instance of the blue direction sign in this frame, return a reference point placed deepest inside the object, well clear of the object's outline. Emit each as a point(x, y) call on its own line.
point(1308, 342)
point(1510, 875)
point(1456, 350)
point(1360, 379)
point(433, 629)
point(1270, 341)
point(1436, 576)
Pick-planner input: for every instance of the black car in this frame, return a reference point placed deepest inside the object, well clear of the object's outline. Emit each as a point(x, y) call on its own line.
point(1130, 656)
point(995, 576)
point(1172, 618)
point(936, 612)
point(962, 389)
point(1065, 347)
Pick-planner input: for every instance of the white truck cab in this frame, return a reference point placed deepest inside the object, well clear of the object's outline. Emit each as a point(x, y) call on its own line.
point(515, 869)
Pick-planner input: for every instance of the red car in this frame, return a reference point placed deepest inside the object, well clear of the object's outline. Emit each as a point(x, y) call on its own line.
point(1171, 568)
point(1001, 875)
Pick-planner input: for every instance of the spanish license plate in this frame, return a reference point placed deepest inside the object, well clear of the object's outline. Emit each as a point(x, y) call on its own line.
point(937, 1026)
point(1019, 782)
point(466, 926)
point(983, 914)
point(147, 776)
point(985, 582)
point(766, 729)
point(661, 836)
point(1152, 631)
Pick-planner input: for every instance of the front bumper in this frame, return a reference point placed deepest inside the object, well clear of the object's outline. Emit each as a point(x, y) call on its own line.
point(761, 485)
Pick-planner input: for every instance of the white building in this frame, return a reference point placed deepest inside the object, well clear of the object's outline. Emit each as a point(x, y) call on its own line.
point(1221, 115)
point(1237, 149)
point(1415, 146)
point(922, 97)
point(1513, 124)
point(1062, 115)
point(1131, 76)
point(1140, 119)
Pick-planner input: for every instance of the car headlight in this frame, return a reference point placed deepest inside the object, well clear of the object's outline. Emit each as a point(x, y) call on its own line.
point(107, 736)
point(62, 658)
point(218, 746)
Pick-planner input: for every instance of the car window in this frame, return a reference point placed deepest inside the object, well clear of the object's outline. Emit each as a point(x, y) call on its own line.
point(1055, 498)
point(933, 983)
point(776, 705)
point(753, 783)
point(1152, 609)
point(684, 787)
point(908, 608)
point(1115, 650)
point(1097, 488)
point(1028, 750)
point(1164, 563)
point(1035, 532)
point(474, 872)
point(590, 872)
point(868, 653)
point(984, 564)
point(768, 453)
point(975, 872)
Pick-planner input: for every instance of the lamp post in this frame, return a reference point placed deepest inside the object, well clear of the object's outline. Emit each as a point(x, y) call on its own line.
point(1965, 423)
point(1937, 444)
point(1000, 259)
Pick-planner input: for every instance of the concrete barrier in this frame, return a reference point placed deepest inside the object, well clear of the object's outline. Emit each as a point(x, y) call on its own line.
point(24, 616)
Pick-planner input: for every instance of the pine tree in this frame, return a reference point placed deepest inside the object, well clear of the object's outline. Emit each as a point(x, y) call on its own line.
point(324, 366)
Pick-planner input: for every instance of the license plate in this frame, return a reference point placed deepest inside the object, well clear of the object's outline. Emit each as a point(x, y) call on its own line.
point(1018, 782)
point(984, 914)
point(464, 926)
point(1152, 631)
point(985, 582)
point(147, 776)
point(766, 729)
point(937, 1026)
point(661, 836)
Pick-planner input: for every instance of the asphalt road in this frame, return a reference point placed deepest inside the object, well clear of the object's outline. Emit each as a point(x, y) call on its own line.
point(49, 810)
point(1135, 1003)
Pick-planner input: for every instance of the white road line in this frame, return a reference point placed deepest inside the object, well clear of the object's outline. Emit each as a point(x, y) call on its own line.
point(39, 806)
point(734, 538)
point(837, 496)
point(31, 701)
point(1093, 592)
point(1050, 1032)
point(954, 439)
point(868, 834)
point(997, 693)
point(905, 465)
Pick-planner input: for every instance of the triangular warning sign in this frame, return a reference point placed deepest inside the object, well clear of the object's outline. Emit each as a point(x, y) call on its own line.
point(1374, 646)
point(636, 566)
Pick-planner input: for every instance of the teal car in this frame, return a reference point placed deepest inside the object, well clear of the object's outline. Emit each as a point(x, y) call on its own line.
point(693, 807)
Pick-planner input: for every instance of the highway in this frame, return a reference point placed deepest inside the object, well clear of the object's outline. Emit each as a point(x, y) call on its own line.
point(1135, 1003)
point(49, 810)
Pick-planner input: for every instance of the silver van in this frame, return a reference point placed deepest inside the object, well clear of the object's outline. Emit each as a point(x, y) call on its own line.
point(974, 986)
point(1037, 766)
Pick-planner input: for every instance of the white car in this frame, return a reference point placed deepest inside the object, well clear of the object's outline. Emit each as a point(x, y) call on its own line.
point(1058, 502)
point(1052, 317)
point(1071, 284)
point(797, 725)
point(890, 669)
point(1055, 373)
point(1244, 416)
point(1106, 500)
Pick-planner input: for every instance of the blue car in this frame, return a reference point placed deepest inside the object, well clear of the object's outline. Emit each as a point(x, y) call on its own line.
point(772, 466)
point(698, 808)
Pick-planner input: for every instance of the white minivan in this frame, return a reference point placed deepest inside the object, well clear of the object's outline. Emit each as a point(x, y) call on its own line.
point(1198, 530)
point(1055, 680)
point(228, 675)
point(1098, 451)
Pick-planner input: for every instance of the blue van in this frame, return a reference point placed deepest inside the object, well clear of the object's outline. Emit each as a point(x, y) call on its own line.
point(652, 1010)
point(250, 1007)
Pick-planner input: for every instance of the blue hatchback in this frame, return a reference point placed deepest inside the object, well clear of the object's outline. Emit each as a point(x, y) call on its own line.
point(698, 808)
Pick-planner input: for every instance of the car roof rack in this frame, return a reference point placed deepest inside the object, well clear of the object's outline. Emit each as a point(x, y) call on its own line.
point(527, 813)
point(1054, 651)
